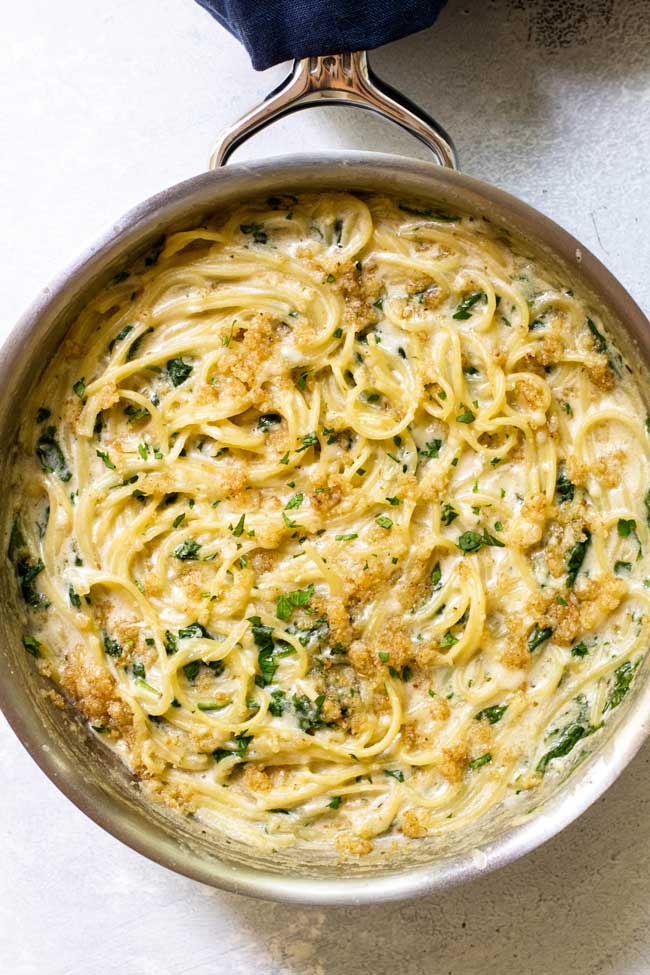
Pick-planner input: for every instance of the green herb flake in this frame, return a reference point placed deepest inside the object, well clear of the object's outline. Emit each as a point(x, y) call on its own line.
point(448, 514)
point(106, 459)
point(239, 527)
point(626, 526)
point(309, 440)
point(430, 449)
point(111, 646)
point(480, 761)
point(287, 602)
point(466, 415)
point(463, 310)
point(492, 714)
point(579, 650)
point(187, 551)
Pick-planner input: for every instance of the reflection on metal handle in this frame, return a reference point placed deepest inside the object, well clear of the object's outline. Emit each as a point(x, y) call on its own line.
point(337, 79)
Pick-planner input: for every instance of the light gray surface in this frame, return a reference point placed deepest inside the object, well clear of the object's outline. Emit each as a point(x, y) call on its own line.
point(105, 104)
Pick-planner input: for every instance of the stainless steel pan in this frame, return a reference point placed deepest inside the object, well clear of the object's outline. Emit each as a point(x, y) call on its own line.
point(75, 760)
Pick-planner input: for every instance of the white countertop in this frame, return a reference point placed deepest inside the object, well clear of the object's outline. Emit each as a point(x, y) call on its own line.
point(104, 102)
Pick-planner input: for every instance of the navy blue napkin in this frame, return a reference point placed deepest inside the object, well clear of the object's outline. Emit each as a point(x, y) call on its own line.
point(277, 30)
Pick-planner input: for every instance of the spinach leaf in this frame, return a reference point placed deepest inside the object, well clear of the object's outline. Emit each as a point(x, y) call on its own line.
point(26, 573)
point(538, 636)
point(308, 712)
point(600, 342)
point(570, 737)
point(268, 420)
point(492, 714)
point(464, 308)
point(178, 371)
point(564, 489)
point(576, 557)
point(623, 677)
point(51, 456)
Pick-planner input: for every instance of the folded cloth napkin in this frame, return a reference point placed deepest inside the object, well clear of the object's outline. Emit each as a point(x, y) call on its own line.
point(277, 30)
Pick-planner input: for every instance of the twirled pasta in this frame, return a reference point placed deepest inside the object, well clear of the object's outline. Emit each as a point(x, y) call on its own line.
point(331, 517)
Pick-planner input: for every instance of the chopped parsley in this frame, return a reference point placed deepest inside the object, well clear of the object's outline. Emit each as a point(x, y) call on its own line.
point(448, 514)
point(106, 459)
point(466, 415)
point(239, 527)
point(471, 541)
point(309, 440)
point(626, 526)
point(430, 449)
point(579, 650)
point(187, 551)
point(480, 761)
point(287, 602)
point(111, 646)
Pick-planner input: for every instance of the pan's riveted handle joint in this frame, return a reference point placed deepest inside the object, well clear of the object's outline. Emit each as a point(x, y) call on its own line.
point(337, 79)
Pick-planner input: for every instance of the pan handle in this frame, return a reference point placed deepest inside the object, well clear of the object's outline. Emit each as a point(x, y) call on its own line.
point(337, 79)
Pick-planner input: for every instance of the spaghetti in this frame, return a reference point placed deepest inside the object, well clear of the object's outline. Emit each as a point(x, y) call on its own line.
point(331, 518)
